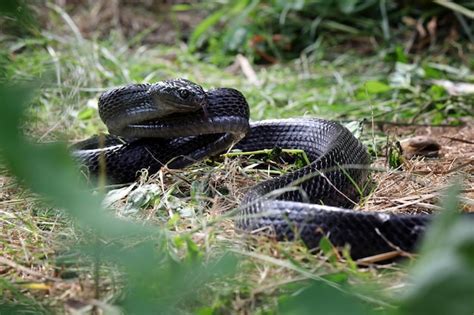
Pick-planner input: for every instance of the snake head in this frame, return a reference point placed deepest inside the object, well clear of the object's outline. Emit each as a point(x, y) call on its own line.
point(178, 95)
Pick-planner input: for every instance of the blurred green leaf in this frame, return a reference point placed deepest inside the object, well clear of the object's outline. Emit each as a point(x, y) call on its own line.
point(376, 87)
point(181, 7)
point(237, 38)
point(205, 311)
point(400, 54)
point(432, 73)
point(347, 6)
point(87, 113)
point(320, 298)
point(328, 249)
point(395, 158)
point(443, 277)
point(154, 279)
point(338, 277)
point(17, 8)
point(437, 92)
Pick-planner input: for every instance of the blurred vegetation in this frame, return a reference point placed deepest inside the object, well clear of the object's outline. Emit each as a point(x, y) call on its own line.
point(46, 76)
point(269, 31)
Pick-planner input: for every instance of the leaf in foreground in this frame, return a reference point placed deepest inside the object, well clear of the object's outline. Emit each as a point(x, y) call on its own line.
point(443, 277)
point(322, 299)
point(160, 282)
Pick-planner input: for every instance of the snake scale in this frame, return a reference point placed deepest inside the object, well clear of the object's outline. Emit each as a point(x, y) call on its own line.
point(177, 123)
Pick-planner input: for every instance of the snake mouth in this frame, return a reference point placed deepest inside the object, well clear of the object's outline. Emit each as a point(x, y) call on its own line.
point(168, 98)
point(168, 105)
point(151, 116)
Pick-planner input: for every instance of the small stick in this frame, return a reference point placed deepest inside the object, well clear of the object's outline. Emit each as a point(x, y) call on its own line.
point(380, 257)
point(14, 265)
point(458, 139)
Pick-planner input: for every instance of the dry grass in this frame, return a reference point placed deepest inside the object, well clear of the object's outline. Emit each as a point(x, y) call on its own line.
point(417, 186)
point(198, 200)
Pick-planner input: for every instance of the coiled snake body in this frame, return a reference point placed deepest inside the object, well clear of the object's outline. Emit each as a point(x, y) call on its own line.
point(177, 123)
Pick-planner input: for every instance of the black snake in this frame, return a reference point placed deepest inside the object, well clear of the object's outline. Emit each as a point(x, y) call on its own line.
point(176, 123)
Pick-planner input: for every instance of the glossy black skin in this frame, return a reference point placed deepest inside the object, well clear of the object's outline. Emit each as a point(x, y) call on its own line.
point(125, 106)
point(182, 134)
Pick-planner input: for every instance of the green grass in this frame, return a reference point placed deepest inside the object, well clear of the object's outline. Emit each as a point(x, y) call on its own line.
point(190, 207)
point(331, 89)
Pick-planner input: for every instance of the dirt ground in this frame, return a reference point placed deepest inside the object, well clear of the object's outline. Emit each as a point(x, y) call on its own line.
point(416, 185)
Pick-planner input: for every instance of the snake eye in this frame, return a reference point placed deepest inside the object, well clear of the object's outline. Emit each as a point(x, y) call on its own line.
point(183, 93)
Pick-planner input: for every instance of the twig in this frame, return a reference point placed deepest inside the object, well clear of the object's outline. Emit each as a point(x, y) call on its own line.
point(248, 71)
point(14, 265)
point(378, 258)
point(458, 139)
point(458, 167)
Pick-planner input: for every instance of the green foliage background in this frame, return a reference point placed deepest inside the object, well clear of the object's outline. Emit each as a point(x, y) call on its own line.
point(267, 30)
